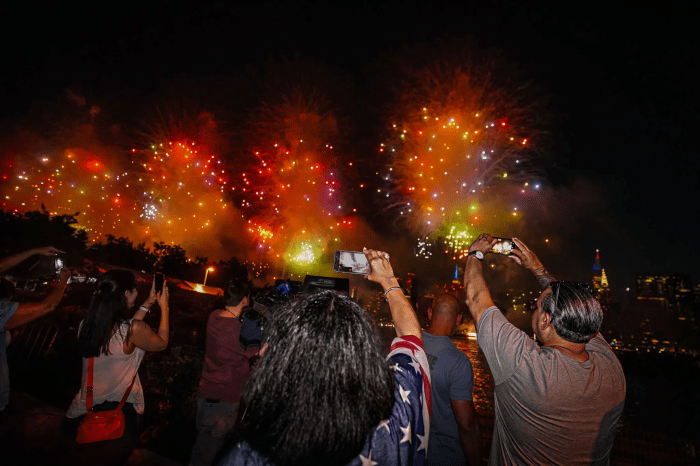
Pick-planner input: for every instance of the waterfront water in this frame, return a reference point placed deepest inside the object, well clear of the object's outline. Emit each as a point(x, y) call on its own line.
point(483, 380)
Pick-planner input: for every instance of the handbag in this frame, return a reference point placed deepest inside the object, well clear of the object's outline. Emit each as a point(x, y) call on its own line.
point(101, 425)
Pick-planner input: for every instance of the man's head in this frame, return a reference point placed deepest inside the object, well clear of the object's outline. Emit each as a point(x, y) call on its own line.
point(571, 310)
point(444, 315)
point(321, 387)
point(237, 292)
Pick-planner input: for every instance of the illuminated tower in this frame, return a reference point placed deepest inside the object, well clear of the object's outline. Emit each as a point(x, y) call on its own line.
point(600, 282)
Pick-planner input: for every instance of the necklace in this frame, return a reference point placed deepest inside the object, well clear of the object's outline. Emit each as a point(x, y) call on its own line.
point(234, 315)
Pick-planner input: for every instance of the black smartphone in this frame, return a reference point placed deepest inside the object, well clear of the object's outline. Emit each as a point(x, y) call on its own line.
point(159, 282)
point(504, 246)
point(47, 267)
point(351, 262)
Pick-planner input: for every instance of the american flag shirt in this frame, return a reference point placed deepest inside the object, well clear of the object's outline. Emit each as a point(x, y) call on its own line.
point(401, 440)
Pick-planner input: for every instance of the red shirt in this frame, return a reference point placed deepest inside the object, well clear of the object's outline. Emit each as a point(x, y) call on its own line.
point(226, 364)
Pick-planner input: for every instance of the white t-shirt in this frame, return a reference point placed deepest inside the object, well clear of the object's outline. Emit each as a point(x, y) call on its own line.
point(112, 375)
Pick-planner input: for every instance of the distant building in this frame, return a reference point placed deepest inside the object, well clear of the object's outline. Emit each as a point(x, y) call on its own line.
point(666, 307)
point(600, 283)
point(675, 292)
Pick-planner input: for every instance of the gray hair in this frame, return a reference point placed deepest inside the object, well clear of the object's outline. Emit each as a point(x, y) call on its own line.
point(574, 311)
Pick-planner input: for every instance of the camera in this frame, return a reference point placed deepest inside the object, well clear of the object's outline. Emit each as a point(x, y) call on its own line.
point(256, 317)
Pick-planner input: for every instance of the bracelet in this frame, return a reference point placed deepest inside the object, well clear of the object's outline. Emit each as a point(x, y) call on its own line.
point(144, 309)
point(391, 288)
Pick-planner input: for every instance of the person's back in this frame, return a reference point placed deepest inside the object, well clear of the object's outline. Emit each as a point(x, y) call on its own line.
point(557, 400)
point(455, 436)
point(225, 372)
point(112, 375)
point(550, 408)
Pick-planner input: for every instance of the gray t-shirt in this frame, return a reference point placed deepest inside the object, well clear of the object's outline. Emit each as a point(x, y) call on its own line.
point(550, 408)
point(452, 378)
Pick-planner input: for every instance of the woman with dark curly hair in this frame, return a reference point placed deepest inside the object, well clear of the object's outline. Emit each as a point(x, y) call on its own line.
point(324, 394)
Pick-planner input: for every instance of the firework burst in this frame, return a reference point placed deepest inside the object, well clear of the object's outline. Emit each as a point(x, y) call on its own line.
point(458, 149)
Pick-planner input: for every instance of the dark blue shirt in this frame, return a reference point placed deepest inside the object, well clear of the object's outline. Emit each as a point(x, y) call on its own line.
point(7, 310)
point(452, 378)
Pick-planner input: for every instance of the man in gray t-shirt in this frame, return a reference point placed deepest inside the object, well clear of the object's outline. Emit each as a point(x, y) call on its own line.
point(455, 434)
point(558, 402)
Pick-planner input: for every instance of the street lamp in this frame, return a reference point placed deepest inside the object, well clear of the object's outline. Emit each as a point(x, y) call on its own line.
point(210, 269)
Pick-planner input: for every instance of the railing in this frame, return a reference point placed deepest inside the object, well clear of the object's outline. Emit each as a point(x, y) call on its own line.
point(31, 342)
point(187, 351)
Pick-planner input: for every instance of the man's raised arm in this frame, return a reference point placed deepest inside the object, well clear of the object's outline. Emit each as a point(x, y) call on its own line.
point(478, 295)
point(27, 312)
point(10, 261)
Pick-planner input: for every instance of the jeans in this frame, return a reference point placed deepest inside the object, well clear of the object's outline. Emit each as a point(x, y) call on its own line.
point(215, 421)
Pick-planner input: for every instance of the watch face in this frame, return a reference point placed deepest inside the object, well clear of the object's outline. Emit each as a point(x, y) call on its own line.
point(479, 254)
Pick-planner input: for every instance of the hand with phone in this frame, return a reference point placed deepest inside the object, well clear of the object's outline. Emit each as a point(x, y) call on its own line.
point(380, 268)
point(525, 257)
point(483, 243)
point(163, 297)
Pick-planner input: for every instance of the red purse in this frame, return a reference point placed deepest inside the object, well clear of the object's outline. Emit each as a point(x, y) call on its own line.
point(101, 425)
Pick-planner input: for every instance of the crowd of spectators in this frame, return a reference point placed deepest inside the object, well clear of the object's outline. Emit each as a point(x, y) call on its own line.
point(320, 390)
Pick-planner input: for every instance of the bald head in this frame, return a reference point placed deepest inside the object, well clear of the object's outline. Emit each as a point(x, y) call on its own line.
point(445, 310)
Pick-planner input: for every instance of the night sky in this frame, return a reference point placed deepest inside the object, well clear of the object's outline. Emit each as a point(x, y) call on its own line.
point(621, 82)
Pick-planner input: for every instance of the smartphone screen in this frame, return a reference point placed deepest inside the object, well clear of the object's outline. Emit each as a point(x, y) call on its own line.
point(351, 262)
point(159, 282)
point(59, 262)
point(504, 246)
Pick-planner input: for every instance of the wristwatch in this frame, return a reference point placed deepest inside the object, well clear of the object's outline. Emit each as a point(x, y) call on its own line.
point(479, 255)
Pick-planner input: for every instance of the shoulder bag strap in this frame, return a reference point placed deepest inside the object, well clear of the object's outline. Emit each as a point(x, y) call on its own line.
point(128, 390)
point(88, 389)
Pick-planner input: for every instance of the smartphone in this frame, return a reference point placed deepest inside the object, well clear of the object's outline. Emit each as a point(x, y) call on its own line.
point(504, 246)
point(351, 262)
point(47, 267)
point(159, 282)
point(59, 263)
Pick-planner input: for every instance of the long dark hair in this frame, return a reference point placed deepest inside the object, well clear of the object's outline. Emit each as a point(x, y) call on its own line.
point(321, 387)
point(107, 311)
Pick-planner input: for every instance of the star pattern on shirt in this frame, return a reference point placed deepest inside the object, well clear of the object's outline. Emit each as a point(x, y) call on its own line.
point(384, 423)
point(415, 366)
point(396, 367)
point(367, 461)
point(423, 442)
point(406, 434)
point(404, 395)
